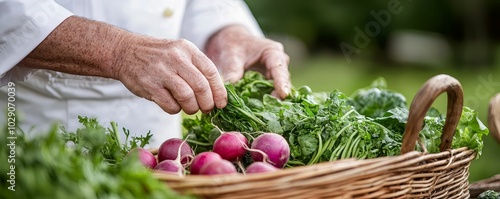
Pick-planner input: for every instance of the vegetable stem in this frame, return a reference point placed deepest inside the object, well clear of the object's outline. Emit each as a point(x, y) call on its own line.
point(347, 114)
point(345, 152)
point(114, 128)
point(249, 115)
point(199, 143)
point(319, 151)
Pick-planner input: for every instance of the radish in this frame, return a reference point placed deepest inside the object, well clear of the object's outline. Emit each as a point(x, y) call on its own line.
point(231, 146)
point(170, 166)
point(173, 166)
point(168, 150)
point(202, 159)
point(260, 167)
point(146, 157)
point(218, 167)
point(275, 146)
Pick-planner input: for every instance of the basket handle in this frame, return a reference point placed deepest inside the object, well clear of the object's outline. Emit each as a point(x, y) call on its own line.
point(422, 103)
point(494, 117)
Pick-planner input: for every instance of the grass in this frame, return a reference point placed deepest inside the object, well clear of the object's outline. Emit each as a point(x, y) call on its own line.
point(325, 73)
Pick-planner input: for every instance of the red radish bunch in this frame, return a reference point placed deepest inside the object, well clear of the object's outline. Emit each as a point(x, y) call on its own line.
point(269, 151)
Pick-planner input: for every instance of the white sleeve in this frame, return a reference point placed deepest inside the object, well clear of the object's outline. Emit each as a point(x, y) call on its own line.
point(24, 25)
point(203, 18)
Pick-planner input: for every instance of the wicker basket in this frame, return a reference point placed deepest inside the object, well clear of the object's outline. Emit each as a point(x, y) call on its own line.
point(410, 175)
point(481, 186)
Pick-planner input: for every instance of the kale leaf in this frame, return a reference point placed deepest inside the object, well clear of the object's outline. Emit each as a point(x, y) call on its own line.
point(375, 100)
point(489, 194)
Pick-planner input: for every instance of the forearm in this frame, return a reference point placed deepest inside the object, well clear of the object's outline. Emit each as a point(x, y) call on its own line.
point(79, 46)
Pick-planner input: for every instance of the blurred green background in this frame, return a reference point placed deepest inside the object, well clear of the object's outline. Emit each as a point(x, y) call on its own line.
point(345, 45)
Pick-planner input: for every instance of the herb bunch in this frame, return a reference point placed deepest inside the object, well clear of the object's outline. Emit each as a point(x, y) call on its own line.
point(88, 164)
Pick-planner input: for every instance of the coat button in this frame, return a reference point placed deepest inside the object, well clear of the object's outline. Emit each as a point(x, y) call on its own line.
point(168, 12)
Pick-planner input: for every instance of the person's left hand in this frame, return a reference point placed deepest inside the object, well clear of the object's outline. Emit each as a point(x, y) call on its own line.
point(234, 50)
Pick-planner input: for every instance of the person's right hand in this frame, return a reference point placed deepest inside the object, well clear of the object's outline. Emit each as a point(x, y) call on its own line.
point(174, 74)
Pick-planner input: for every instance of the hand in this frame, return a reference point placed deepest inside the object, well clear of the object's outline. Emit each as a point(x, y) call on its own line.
point(234, 50)
point(175, 74)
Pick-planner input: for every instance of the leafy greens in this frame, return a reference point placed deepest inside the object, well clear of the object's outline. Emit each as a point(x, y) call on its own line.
point(92, 166)
point(321, 126)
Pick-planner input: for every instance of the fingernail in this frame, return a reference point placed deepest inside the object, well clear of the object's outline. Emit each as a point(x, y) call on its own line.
point(230, 78)
point(221, 104)
point(286, 90)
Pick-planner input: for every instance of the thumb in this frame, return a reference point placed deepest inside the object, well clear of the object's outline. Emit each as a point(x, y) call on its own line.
point(232, 69)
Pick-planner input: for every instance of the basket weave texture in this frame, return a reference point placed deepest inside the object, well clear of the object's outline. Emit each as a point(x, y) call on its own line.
point(412, 174)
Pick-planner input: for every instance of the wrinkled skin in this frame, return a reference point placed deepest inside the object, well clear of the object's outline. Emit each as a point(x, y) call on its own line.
point(234, 50)
point(174, 74)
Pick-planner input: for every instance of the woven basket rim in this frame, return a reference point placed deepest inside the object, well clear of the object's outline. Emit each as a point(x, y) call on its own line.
point(304, 168)
point(414, 174)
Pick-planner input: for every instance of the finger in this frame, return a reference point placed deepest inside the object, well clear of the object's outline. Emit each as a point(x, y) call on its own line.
point(200, 86)
point(274, 94)
point(183, 94)
point(232, 68)
point(147, 87)
point(208, 69)
point(166, 101)
point(276, 62)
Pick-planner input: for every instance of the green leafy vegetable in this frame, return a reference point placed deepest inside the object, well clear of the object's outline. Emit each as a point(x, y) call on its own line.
point(47, 166)
point(375, 100)
point(470, 131)
point(106, 140)
point(489, 194)
point(322, 126)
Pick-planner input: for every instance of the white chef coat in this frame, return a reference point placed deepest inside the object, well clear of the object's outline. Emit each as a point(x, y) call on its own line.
point(44, 97)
